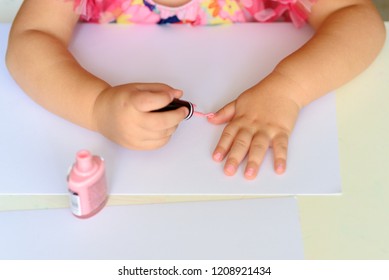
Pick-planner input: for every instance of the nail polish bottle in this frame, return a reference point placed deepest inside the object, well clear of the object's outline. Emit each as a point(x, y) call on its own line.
point(87, 185)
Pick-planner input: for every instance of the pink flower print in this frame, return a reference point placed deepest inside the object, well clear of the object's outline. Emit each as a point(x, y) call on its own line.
point(188, 13)
point(231, 11)
point(255, 7)
point(265, 15)
point(201, 19)
point(297, 16)
point(112, 11)
point(307, 4)
point(285, 2)
point(216, 7)
point(247, 3)
point(89, 10)
point(137, 14)
point(166, 13)
point(298, 10)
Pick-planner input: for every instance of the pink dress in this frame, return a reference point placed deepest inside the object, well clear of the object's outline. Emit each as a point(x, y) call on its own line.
point(195, 12)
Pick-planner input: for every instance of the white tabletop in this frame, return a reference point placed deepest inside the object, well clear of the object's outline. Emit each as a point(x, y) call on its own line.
point(237, 230)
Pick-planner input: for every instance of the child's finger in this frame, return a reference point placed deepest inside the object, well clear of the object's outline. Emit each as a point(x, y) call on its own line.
point(145, 139)
point(153, 143)
point(155, 135)
point(238, 151)
point(224, 115)
point(225, 142)
point(157, 121)
point(257, 152)
point(280, 151)
point(159, 87)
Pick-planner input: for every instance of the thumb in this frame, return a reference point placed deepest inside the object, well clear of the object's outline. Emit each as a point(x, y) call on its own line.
point(224, 115)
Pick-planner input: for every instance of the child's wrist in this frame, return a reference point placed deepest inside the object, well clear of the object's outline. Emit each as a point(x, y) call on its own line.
point(98, 110)
point(283, 86)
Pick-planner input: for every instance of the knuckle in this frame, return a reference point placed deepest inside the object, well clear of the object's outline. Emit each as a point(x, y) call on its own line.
point(259, 146)
point(280, 143)
point(241, 143)
point(227, 133)
point(253, 163)
point(232, 161)
point(282, 147)
point(261, 141)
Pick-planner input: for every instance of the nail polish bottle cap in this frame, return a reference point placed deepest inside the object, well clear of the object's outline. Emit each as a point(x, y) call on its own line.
point(85, 163)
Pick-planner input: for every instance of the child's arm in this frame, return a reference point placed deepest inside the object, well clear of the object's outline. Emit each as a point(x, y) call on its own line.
point(349, 35)
point(38, 59)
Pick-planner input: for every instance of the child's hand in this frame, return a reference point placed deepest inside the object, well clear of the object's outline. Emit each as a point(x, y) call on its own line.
point(257, 120)
point(123, 114)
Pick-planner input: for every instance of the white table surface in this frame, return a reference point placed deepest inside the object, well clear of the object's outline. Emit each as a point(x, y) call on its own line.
point(220, 230)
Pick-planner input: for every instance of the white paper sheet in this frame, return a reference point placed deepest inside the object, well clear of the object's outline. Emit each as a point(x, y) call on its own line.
point(245, 229)
point(212, 65)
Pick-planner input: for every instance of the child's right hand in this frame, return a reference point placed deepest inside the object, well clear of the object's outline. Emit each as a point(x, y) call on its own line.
point(123, 114)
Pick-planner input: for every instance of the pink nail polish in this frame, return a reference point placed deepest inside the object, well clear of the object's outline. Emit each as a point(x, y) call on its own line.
point(280, 168)
point(218, 156)
point(250, 172)
point(230, 169)
point(87, 185)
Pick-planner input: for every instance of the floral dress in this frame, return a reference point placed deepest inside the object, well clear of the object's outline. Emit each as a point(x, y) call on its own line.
point(195, 12)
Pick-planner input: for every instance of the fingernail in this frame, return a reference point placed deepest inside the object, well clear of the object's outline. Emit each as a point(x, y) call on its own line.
point(250, 172)
point(280, 168)
point(230, 169)
point(218, 156)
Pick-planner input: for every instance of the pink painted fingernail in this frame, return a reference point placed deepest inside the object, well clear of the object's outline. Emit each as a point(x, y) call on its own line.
point(280, 168)
point(250, 172)
point(218, 156)
point(230, 169)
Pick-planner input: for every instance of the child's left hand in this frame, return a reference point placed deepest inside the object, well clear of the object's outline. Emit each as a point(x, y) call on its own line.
point(257, 120)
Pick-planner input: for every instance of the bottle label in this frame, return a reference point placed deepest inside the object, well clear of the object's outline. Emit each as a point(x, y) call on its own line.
point(75, 204)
